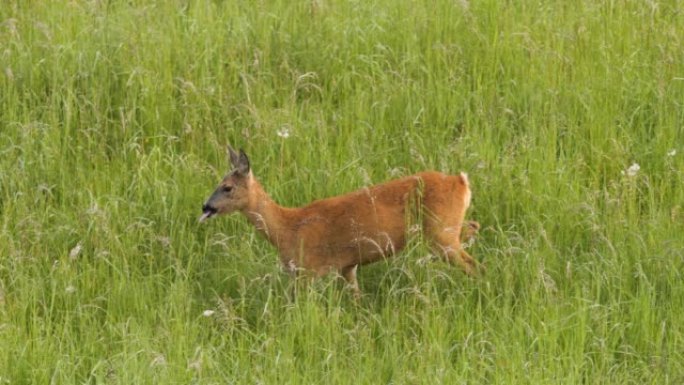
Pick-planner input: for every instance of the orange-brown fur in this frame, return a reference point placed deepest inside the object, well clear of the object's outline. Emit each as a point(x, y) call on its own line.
point(357, 228)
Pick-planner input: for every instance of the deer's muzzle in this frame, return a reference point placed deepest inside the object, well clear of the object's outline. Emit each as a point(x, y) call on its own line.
point(207, 212)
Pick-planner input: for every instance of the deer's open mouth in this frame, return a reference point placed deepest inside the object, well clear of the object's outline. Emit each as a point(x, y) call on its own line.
point(207, 212)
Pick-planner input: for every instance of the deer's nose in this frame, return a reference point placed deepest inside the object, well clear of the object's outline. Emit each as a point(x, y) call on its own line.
point(206, 208)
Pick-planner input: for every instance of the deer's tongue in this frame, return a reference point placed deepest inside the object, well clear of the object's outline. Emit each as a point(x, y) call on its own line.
point(205, 216)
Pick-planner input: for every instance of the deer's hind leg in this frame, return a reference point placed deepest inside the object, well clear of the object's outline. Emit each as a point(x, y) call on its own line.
point(469, 232)
point(446, 241)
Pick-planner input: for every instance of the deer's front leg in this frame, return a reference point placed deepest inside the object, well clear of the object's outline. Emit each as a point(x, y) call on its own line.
point(349, 274)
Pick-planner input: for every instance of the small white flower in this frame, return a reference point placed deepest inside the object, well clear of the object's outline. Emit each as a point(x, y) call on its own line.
point(159, 360)
point(415, 229)
point(195, 365)
point(165, 241)
point(632, 170)
point(70, 289)
point(424, 260)
point(672, 152)
point(208, 313)
point(284, 132)
point(75, 251)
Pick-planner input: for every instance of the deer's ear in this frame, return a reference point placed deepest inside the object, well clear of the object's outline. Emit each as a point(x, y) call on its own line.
point(242, 164)
point(234, 157)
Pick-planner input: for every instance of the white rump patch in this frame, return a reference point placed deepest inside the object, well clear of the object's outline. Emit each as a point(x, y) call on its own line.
point(468, 194)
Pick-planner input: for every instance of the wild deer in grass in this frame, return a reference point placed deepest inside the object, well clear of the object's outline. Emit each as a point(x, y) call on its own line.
point(343, 232)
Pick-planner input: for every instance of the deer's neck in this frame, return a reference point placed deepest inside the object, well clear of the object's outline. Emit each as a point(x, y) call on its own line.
point(269, 218)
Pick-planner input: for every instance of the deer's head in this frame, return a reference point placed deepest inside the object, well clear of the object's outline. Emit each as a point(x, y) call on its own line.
point(232, 194)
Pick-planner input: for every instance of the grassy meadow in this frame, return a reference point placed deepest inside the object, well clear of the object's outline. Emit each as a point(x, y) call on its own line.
point(114, 120)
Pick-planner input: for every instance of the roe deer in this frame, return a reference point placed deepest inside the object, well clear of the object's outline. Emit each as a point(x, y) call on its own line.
point(343, 232)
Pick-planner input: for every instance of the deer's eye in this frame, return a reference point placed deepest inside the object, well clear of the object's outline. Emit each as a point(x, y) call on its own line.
point(227, 189)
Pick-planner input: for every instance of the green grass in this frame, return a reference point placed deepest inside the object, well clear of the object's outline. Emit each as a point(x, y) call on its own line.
point(114, 117)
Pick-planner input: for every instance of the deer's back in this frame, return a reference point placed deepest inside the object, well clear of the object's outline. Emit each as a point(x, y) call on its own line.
point(372, 223)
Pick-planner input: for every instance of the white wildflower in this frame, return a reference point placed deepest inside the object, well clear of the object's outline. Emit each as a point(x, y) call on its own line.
point(208, 313)
point(195, 365)
point(75, 251)
point(70, 289)
point(94, 209)
point(632, 170)
point(284, 132)
point(165, 241)
point(424, 260)
point(548, 282)
point(672, 152)
point(159, 360)
point(414, 229)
